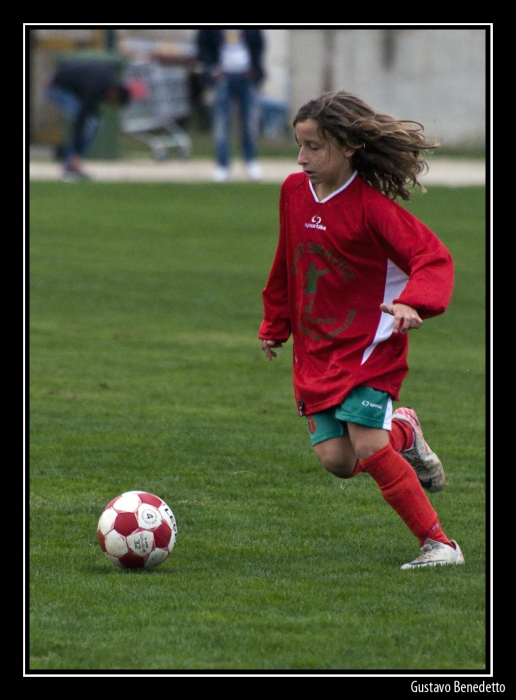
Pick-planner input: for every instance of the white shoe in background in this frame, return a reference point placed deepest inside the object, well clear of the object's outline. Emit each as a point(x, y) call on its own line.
point(220, 174)
point(253, 170)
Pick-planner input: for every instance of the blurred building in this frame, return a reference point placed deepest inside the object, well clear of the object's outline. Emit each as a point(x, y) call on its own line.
point(436, 76)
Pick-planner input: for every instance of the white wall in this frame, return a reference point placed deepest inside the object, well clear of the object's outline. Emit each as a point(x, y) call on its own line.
point(276, 64)
point(436, 76)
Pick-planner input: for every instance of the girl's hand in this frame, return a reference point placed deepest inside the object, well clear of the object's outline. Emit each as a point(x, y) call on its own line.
point(267, 345)
point(405, 317)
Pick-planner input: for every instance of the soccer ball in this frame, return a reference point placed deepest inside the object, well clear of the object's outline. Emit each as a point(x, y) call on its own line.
point(137, 530)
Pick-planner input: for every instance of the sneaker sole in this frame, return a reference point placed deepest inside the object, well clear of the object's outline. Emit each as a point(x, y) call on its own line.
point(430, 469)
point(431, 563)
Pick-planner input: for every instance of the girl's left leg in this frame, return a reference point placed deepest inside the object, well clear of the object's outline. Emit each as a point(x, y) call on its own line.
point(397, 481)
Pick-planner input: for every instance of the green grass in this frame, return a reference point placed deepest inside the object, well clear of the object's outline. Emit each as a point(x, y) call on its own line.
point(145, 373)
point(281, 147)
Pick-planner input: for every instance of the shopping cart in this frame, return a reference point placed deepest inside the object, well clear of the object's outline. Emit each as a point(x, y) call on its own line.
point(160, 99)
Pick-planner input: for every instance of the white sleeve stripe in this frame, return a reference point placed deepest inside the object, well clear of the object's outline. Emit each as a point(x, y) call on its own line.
point(395, 282)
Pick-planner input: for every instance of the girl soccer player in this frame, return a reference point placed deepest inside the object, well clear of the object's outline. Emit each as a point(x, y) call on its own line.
point(353, 272)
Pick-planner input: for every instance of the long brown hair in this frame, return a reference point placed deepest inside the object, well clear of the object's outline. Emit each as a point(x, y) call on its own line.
point(388, 151)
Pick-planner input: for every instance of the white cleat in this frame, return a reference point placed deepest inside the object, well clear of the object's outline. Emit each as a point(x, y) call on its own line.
point(436, 554)
point(425, 463)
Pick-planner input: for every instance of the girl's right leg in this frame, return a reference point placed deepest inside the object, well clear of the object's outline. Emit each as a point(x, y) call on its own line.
point(400, 488)
point(345, 451)
point(331, 443)
point(337, 456)
point(397, 481)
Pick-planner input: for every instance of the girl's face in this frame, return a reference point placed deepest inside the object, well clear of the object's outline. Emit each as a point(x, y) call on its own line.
point(326, 165)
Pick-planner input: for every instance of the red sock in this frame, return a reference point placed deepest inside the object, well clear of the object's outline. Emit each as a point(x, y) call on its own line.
point(401, 435)
point(402, 490)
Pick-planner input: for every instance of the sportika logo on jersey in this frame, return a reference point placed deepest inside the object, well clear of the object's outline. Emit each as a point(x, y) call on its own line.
point(316, 223)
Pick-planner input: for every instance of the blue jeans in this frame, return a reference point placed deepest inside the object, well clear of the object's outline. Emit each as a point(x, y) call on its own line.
point(230, 89)
point(70, 107)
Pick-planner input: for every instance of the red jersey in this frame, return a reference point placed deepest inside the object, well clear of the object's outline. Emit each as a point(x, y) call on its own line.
point(337, 260)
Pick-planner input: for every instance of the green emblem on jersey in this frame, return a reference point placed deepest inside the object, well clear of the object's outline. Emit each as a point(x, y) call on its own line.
point(311, 279)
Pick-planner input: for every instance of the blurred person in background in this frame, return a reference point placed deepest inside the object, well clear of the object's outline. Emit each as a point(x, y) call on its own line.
point(78, 88)
point(232, 66)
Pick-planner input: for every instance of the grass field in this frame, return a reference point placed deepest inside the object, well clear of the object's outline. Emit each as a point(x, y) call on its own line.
point(145, 373)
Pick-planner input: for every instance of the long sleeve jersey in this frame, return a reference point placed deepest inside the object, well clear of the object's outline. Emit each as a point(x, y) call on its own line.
point(337, 260)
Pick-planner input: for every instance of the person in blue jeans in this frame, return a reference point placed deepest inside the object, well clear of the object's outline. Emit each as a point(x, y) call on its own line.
point(77, 89)
point(232, 66)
